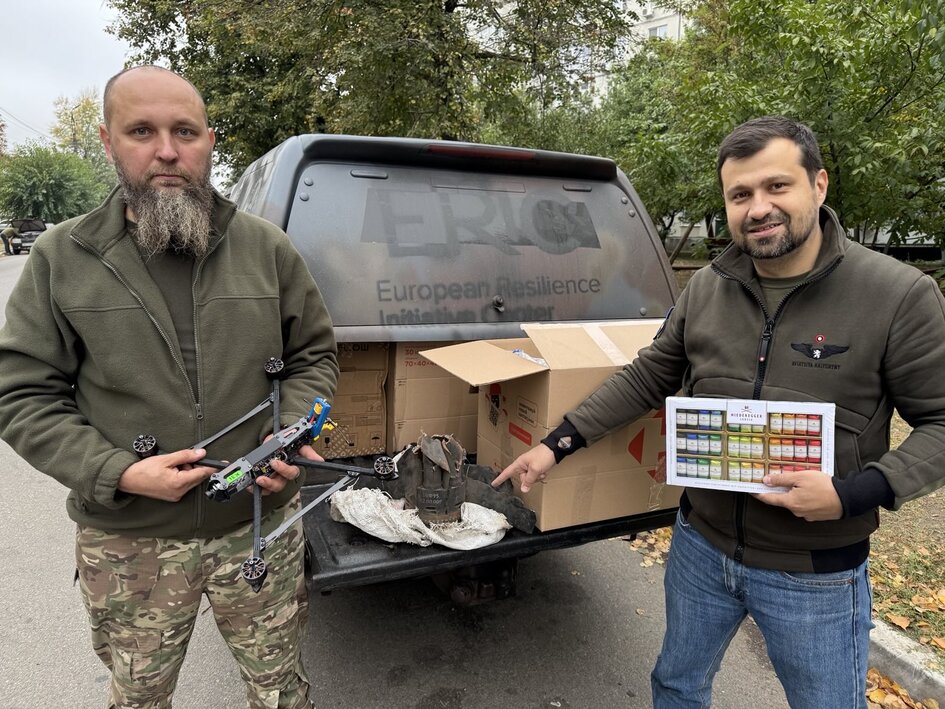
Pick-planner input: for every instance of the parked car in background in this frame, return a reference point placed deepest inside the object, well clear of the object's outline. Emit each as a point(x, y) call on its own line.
point(29, 230)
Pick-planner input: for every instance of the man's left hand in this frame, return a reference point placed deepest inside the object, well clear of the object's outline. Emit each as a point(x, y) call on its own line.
point(283, 472)
point(811, 495)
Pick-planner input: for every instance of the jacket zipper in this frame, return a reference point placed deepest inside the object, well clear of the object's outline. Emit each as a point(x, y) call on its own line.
point(195, 404)
point(199, 509)
point(767, 334)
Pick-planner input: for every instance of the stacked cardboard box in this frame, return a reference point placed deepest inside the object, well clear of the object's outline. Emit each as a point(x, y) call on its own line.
point(525, 388)
point(424, 398)
point(359, 408)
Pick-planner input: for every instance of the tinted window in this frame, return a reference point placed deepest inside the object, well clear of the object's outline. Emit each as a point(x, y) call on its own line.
point(394, 245)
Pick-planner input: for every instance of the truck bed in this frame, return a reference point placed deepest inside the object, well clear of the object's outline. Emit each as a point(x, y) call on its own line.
point(342, 556)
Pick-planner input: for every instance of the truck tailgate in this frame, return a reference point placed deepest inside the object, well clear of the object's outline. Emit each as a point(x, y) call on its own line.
point(343, 556)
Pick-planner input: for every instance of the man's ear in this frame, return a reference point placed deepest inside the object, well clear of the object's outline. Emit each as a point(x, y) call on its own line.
point(106, 141)
point(213, 136)
point(820, 185)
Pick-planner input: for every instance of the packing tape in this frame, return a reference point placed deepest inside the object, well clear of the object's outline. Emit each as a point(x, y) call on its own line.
point(606, 345)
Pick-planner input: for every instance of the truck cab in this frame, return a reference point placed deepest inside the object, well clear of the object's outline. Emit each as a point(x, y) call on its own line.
point(413, 240)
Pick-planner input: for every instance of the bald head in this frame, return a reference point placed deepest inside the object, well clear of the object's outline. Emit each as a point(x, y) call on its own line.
point(156, 134)
point(144, 71)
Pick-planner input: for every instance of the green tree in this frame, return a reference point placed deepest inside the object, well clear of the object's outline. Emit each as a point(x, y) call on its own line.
point(42, 182)
point(3, 137)
point(76, 131)
point(445, 69)
point(869, 78)
point(634, 125)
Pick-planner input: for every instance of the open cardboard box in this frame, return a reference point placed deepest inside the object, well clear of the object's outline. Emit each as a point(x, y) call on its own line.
point(526, 386)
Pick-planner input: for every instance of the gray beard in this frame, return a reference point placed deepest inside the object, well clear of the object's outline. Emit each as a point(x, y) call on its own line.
point(167, 220)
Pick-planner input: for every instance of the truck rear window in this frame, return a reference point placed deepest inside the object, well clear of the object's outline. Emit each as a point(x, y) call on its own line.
point(398, 245)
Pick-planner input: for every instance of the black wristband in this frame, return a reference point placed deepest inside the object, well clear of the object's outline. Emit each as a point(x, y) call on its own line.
point(564, 440)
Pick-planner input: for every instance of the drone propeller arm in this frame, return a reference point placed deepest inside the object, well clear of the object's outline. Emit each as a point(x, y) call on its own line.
point(261, 406)
point(343, 482)
point(325, 465)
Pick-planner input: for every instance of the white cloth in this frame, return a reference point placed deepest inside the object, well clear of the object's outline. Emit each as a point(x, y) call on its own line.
point(373, 512)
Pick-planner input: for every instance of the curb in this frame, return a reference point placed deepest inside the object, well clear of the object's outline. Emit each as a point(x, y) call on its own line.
point(906, 662)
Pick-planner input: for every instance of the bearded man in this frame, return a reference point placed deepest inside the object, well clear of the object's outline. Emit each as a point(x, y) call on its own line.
point(156, 313)
point(753, 325)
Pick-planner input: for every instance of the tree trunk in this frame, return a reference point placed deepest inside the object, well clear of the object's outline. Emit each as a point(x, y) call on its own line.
point(681, 244)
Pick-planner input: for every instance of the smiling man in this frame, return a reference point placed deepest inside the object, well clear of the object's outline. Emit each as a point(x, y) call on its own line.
point(772, 202)
point(756, 323)
point(156, 313)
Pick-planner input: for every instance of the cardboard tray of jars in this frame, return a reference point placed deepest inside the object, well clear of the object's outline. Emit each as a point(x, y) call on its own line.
point(731, 444)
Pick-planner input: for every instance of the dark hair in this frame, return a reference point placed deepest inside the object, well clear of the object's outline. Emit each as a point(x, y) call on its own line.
point(752, 136)
point(106, 95)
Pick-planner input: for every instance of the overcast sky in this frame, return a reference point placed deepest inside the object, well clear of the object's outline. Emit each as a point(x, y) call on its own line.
point(51, 48)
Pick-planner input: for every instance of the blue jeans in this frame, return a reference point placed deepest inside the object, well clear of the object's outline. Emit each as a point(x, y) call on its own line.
point(816, 627)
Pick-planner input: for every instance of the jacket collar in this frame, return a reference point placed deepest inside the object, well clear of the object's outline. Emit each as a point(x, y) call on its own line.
point(104, 232)
point(732, 262)
point(103, 227)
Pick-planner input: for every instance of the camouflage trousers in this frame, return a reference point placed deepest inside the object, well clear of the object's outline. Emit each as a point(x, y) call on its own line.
point(143, 593)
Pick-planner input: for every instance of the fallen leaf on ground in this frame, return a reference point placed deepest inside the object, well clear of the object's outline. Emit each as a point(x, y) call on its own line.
point(876, 696)
point(899, 620)
point(883, 693)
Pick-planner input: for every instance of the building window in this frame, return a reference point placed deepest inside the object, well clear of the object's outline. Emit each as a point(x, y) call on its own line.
point(660, 31)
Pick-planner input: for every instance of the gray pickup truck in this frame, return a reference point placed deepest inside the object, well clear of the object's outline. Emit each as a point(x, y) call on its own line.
point(425, 240)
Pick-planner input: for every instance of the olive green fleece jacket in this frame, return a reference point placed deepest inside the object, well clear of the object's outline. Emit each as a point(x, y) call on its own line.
point(89, 359)
point(880, 327)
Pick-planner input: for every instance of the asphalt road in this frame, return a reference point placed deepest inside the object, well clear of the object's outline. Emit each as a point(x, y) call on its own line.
point(583, 631)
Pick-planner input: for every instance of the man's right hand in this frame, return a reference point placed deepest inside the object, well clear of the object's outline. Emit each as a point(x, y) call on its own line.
point(530, 467)
point(166, 477)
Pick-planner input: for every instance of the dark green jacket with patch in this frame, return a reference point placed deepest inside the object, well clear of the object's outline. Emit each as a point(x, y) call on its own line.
point(721, 341)
point(89, 359)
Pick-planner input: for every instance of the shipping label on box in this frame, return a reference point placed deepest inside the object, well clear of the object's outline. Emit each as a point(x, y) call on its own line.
point(731, 444)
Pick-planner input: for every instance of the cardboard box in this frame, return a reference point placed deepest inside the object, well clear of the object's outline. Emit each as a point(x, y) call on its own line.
point(463, 429)
point(731, 444)
point(358, 434)
point(364, 356)
point(490, 456)
point(527, 385)
point(422, 397)
point(406, 362)
point(359, 408)
point(428, 397)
